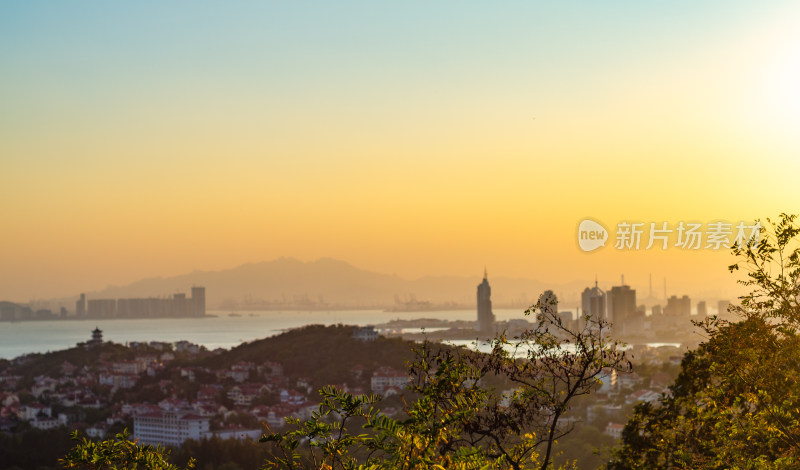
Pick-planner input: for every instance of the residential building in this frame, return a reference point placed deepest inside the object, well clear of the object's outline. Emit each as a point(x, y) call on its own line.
point(621, 303)
point(593, 302)
point(170, 428)
point(386, 377)
point(365, 333)
point(678, 307)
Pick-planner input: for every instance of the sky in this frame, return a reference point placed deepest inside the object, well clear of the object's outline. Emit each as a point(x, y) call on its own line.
point(142, 139)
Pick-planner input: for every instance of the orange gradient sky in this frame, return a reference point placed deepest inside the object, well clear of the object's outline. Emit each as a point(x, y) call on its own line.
point(145, 139)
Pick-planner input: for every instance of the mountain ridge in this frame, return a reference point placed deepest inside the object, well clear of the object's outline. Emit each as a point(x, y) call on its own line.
point(329, 283)
point(324, 281)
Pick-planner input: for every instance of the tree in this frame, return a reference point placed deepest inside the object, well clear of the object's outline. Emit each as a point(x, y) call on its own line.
point(118, 453)
point(736, 401)
point(456, 419)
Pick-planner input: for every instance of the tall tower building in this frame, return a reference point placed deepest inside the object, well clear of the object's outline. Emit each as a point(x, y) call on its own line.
point(180, 308)
point(702, 309)
point(80, 306)
point(678, 306)
point(621, 304)
point(485, 315)
point(593, 302)
point(198, 301)
point(686, 306)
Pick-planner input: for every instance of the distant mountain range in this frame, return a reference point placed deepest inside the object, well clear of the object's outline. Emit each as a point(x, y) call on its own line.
point(330, 283)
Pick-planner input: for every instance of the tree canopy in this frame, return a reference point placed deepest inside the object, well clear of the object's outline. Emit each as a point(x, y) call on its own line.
point(736, 402)
point(118, 453)
point(457, 418)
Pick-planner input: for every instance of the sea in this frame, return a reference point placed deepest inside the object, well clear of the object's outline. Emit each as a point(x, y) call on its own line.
point(219, 329)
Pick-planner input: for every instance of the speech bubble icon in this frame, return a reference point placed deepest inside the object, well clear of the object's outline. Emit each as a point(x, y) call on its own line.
point(591, 235)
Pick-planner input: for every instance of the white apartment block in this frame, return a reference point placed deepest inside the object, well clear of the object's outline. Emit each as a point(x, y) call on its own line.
point(169, 428)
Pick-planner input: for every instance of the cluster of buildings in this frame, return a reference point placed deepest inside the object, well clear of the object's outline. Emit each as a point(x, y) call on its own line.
point(9, 311)
point(151, 307)
point(177, 305)
point(71, 391)
point(618, 305)
point(245, 386)
point(258, 393)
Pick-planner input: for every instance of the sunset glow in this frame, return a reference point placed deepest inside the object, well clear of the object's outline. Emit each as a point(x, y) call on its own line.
point(149, 139)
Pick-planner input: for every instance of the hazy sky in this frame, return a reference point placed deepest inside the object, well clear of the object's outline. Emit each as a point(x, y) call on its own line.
point(154, 138)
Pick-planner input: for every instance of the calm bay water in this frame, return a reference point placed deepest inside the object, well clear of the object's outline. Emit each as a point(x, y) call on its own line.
point(222, 330)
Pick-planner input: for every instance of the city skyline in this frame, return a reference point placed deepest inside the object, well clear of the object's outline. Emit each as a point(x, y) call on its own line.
point(337, 284)
point(151, 140)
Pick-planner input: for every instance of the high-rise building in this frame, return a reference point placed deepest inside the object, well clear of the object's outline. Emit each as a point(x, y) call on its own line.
point(485, 315)
point(80, 306)
point(198, 301)
point(722, 307)
point(102, 308)
point(702, 310)
point(148, 307)
point(656, 310)
point(593, 302)
point(621, 303)
point(686, 306)
point(568, 320)
point(145, 307)
point(678, 307)
point(180, 308)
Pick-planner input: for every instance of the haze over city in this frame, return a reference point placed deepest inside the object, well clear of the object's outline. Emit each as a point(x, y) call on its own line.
point(145, 140)
point(242, 235)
